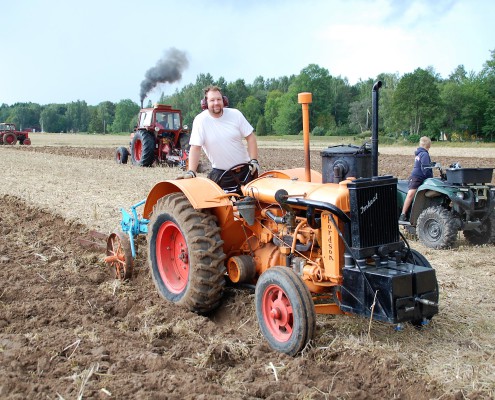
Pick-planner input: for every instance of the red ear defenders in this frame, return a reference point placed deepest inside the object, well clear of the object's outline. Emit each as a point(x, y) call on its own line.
point(204, 103)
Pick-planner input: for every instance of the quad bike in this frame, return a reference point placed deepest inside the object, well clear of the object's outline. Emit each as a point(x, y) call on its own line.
point(461, 199)
point(306, 244)
point(159, 136)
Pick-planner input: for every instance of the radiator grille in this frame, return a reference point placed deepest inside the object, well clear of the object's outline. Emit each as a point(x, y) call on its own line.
point(373, 204)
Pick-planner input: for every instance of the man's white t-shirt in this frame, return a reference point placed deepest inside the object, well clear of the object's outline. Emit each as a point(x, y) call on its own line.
point(222, 138)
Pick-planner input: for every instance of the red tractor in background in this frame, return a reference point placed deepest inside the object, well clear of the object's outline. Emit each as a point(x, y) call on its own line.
point(10, 135)
point(159, 136)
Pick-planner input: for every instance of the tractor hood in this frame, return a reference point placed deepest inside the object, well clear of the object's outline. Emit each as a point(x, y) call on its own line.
point(264, 189)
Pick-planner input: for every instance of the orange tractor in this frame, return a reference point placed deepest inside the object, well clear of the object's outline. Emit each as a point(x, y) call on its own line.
point(307, 243)
point(159, 136)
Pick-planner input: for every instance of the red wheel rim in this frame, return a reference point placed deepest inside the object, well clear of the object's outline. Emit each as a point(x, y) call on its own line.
point(278, 313)
point(138, 149)
point(172, 257)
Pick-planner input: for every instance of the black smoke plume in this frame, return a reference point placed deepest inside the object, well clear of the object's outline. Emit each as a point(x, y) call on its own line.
point(168, 69)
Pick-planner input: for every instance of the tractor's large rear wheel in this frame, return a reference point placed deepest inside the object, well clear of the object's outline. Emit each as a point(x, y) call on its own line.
point(285, 310)
point(10, 138)
point(436, 228)
point(185, 254)
point(485, 234)
point(143, 149)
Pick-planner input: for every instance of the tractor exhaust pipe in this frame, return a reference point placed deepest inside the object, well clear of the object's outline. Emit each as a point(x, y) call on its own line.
point(305, 99)
point(374, 128)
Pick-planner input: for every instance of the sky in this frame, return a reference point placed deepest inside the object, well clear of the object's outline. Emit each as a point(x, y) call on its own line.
point(100, 50)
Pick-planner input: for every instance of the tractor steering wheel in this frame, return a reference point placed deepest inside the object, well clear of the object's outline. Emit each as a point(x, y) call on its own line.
point(231, 182)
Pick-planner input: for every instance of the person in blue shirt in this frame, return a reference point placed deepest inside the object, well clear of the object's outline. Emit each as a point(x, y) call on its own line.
point(421, 171)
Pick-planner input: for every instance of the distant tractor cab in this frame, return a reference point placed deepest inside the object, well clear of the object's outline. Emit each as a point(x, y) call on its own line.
point(10, 135)
point(159, 136)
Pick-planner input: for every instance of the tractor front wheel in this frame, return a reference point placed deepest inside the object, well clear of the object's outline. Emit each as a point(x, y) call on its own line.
point(485, 234)
point(143, 149)
point(185, 254)
point(285, 310)
point(121, 155)
point(436, 228)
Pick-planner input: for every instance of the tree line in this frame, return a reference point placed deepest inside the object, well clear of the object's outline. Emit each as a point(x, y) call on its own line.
point(460, 107)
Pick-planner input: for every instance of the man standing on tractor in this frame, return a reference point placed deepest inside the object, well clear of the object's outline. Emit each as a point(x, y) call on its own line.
point(421, 171)
point(220, 131)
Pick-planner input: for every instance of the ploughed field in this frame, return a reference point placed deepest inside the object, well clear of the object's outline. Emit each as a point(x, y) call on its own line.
point(69, 330)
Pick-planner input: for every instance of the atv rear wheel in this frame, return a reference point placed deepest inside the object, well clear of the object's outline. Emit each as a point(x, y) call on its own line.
point(285, 310)
point(185, 254)
point(119, 255)
point(10, 138)
point(436, 228)
point(121, 155)
point(143, 149)
point(485, 234)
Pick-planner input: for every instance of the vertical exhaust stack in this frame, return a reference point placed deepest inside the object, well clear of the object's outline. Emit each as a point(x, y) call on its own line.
point(305, 99)
point(374, 127)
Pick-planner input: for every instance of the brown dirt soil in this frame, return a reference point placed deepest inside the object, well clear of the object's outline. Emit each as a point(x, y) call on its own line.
point(68, 330)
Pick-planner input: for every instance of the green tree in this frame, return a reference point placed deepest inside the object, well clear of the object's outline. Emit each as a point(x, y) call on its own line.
point(416, 102)
point(52, 118)
point(237, 92)
point(251, 108)
point(125, 116)
point(261, 127)
point(25, 115)
point(77, 116)
point(272, 107)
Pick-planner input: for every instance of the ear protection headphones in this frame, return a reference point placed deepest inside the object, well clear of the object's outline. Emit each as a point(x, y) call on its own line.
point(204, 102)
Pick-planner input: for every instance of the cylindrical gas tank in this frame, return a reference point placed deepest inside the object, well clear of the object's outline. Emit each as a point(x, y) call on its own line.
point(345, 161)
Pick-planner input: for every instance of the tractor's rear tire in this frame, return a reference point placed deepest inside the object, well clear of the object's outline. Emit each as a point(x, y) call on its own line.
point(436, 228)
point(285, 310)
point(10, 138)
point(185, 254)
point(143, 149)
point(121, 155)
point(485, 235)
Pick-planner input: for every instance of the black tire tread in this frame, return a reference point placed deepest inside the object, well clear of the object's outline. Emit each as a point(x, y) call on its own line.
point(443, 218)
point(485, 237)
point(207, 271)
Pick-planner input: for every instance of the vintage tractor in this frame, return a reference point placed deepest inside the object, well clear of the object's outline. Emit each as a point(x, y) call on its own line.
point(304, 242)
point(10, 135)
point(461, 199)
point(159, 136)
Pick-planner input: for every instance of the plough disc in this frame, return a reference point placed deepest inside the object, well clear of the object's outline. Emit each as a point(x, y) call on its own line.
point(119, 255)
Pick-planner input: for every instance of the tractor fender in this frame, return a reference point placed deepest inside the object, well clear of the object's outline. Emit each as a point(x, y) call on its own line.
point(431, 192)
point(201, 193)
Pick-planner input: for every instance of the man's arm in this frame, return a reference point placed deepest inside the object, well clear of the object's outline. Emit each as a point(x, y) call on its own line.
point(252, 146)
point(194, 155)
